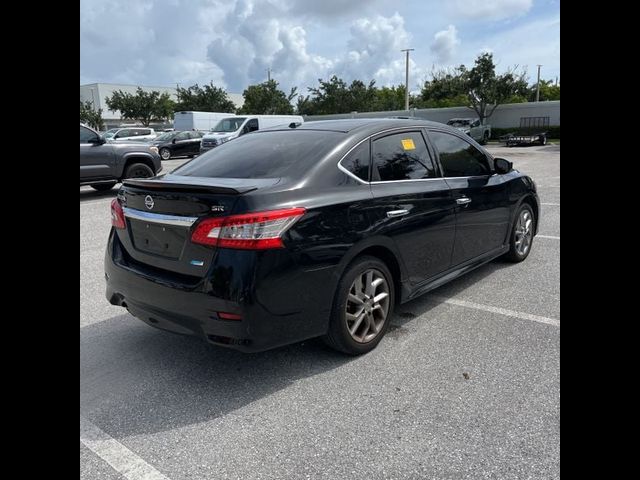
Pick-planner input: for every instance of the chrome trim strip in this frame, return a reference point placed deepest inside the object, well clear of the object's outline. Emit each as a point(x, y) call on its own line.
point(159, 218)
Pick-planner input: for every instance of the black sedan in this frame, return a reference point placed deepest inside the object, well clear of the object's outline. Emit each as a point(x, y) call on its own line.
point(314, 231)
point(178, 144)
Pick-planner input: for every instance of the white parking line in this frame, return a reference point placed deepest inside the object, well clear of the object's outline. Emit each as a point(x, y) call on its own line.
point(498, 310)
point(104, 200)
point(552, 204)
point(551, 237)
point(119, 457)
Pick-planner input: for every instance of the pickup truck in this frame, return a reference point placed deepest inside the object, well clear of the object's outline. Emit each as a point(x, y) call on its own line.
point(473, 128)
point(105, 162)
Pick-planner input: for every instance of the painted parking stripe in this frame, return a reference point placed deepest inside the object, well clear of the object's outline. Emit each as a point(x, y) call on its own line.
point(551, 237)
point(551, 204)
point(90, 202)
point(498, 310)
point(119, 457)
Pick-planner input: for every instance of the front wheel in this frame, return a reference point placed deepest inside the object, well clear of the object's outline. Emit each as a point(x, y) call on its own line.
point(521, 235)
point(362, 307)
point(138, 170)
point(165, 153)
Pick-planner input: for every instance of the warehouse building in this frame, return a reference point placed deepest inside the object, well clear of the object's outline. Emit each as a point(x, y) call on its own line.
point(97, 93)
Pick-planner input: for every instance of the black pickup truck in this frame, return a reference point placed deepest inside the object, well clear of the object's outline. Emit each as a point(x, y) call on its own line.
point(103, 162)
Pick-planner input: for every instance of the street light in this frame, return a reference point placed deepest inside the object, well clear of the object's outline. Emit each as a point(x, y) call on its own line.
point(406, 80)
point(538, 85)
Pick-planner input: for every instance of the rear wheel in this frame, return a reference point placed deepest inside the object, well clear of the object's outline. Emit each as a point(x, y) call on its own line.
point(362, 308)
point(103, 187)
point(138, 170)
point(521, 235)
point(485, 138)
point(165, 153)
point(542, 139)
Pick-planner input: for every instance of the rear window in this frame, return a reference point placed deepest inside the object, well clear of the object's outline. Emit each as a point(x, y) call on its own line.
point(288, 153)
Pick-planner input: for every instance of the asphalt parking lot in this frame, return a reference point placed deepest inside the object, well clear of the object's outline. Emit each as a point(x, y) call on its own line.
point(464, 385)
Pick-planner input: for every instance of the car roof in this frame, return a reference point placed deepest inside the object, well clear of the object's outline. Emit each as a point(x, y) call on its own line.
point(364, 125)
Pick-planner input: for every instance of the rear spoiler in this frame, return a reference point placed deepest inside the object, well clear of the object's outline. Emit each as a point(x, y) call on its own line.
point(195, 187)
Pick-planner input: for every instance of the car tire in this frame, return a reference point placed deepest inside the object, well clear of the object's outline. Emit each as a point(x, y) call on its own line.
point(165, 153)
point(356, 327)
point(522, 231)
point(103, 187)
point(485, 139)
point(138, 170)
point(542, 139)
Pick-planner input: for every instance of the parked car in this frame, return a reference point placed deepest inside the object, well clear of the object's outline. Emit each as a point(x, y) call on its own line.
point(105, 162)
point(130, 133)
point(293, 233)
point(233, 127)
point(176, 144)
point(472, 127)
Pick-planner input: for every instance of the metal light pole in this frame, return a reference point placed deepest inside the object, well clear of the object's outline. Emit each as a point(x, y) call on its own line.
point(269, 74)
point(406, 80)
point(538, 85)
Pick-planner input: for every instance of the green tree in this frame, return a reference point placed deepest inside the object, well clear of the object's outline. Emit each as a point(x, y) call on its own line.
point(335, 96)
point(486, 90)
point(445, 89)
point(390, 98)
point(145, 107)
point(207, 98)
point(267, 99)
point(91, 116)
point(548, 91)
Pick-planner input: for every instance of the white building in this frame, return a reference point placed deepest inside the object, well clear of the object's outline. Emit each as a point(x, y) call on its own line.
point(97, 93)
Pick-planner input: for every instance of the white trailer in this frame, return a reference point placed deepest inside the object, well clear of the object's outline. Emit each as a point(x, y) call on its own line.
point(203, 121)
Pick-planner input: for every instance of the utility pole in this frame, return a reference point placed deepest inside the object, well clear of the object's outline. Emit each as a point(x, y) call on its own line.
point(269, 74)
point(538, 85)
point(406, 80)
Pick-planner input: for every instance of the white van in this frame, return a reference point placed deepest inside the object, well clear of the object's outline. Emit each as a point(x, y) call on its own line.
point(232, 127)
point(131, 133)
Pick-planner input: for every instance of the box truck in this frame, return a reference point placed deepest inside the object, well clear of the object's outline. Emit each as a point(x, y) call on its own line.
point(203, 121)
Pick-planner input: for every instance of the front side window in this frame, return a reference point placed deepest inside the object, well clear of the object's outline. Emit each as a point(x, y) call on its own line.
point(123, 133)
point(459, 158)
point(401, 156)
point(193, 135)
point(86, 135)
point(182, 136)
point(251, 126)
point(357, 162)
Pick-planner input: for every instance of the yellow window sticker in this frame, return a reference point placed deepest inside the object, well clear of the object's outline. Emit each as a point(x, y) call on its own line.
point(407, 144)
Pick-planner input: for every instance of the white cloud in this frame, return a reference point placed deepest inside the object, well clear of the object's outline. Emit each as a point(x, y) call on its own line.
point(444, 44)
point(491, 9)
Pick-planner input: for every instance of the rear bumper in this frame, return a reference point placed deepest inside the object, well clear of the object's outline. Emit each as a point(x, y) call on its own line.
point(280, 302)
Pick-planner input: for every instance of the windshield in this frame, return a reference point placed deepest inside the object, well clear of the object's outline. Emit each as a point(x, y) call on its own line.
point(229, 124)
point(165, 136)
point(268, 154)
point(458, 123)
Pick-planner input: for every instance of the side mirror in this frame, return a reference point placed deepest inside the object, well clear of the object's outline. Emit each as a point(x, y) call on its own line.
point(502, 165)
point(99, 140)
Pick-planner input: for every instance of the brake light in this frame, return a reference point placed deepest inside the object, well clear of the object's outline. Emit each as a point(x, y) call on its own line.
point(117, 215)
point(229, 316)
point(249, 231)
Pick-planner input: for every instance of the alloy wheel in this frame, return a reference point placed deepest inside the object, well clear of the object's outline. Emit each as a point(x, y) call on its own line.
point(367, 305)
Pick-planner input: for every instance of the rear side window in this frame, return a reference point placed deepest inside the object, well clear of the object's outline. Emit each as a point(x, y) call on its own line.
point(459, 158)
point(266, 154)
point(86, 135)
point(142, 131)
point(401, 156)
point(357, 162)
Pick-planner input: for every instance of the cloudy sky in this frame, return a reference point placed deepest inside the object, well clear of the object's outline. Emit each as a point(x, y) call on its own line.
point(233, 42)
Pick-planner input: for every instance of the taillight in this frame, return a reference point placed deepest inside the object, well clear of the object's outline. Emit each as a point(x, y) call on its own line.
point(249, 231)
point(117, 215)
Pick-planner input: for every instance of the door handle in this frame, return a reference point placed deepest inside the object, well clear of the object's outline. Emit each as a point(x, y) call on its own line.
point(463, 201)
point(397, 213)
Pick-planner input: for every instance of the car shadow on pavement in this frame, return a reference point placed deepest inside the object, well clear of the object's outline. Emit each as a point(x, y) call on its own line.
point(138, 380)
